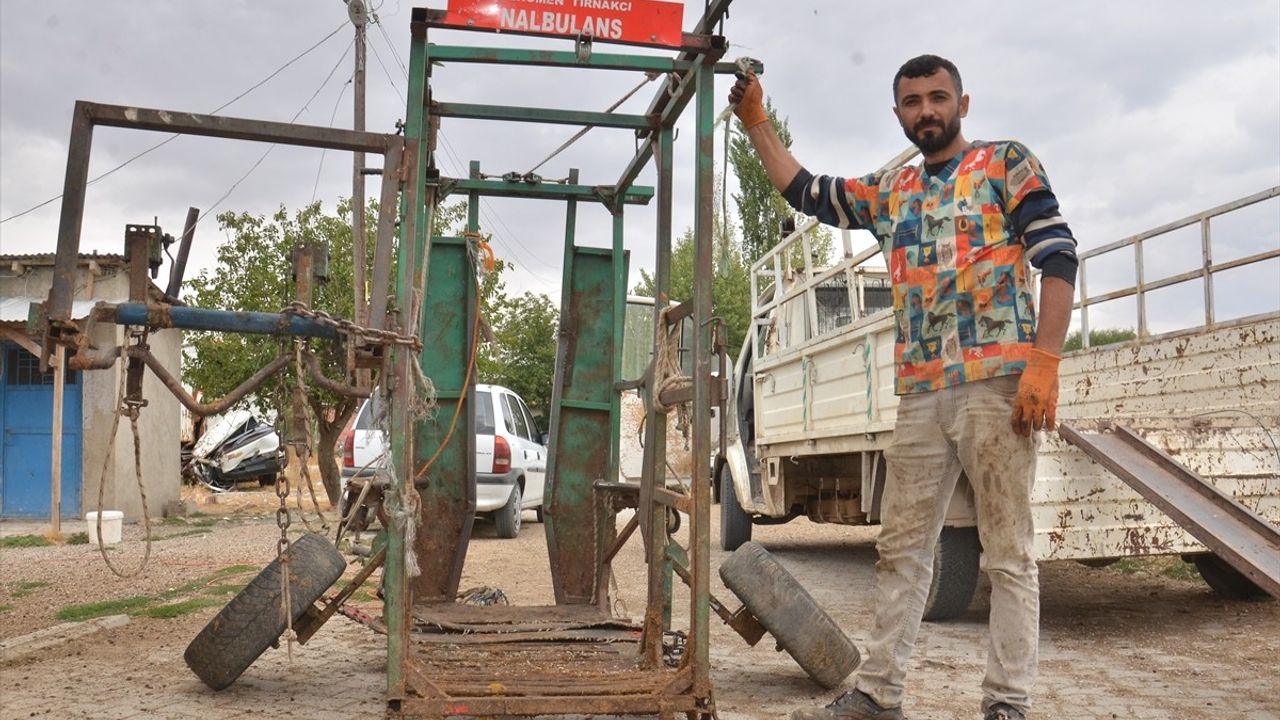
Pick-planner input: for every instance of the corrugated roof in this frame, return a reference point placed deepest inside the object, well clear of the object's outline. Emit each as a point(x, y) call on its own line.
point(47, 258)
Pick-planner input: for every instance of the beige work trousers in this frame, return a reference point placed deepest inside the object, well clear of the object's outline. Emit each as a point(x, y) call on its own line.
point(939, 434)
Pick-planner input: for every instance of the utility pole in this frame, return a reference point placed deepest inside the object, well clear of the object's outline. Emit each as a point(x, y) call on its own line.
point(359, 15)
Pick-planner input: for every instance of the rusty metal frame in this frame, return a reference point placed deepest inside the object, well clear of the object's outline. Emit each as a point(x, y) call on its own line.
point(57, 321)
point(421, 681)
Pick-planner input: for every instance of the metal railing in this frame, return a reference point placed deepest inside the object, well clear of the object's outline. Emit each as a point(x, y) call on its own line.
point(1142, 287)
point(776, 267)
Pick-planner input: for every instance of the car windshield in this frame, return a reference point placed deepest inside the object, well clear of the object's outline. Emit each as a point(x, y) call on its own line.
point(484, 412)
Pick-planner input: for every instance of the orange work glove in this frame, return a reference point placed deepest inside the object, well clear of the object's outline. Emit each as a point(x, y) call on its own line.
point(1036, 404)
point(748, 99)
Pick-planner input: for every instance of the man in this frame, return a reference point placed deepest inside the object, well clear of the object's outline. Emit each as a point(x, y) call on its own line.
point(976, 373)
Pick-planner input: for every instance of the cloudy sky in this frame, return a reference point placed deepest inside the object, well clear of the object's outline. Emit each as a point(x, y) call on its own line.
point(1143, 112)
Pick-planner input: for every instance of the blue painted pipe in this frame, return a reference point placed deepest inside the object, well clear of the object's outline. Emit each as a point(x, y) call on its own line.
point(189, 318)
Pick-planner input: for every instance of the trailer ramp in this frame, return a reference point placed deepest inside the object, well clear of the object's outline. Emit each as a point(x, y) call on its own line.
point(1239, 536)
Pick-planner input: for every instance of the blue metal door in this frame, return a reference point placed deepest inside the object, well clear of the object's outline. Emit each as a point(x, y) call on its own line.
point(26, 412)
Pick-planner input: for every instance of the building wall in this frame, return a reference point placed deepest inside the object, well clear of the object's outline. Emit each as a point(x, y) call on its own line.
point(158, 423)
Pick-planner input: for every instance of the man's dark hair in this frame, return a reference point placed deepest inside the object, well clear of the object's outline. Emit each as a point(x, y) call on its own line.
point(924, 66)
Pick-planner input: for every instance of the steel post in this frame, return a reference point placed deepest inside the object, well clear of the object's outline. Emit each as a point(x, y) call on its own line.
point(558, 381)
point(62, 292)
point(396, 600)
point(179, 269)
point(704, 273)
point(655, 469)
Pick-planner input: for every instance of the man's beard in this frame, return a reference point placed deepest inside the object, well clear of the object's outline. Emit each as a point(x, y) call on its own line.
point(947, 133)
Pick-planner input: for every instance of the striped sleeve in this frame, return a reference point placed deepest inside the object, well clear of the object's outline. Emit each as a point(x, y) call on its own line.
point(1033, 208)
point(835, 201)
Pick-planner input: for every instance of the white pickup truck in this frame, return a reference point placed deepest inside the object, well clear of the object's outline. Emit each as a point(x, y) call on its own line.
point(814, 407)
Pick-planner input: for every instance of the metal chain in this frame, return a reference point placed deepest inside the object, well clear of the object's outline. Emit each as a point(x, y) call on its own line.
point(282, 554)
point(346, 327)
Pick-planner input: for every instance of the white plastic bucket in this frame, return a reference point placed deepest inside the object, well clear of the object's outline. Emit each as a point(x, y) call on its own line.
point(112, 524)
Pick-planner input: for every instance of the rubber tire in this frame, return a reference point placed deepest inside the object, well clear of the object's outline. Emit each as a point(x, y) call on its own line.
point(955, 574)
point(507, 517)
point(251, 622)
point(786, 610)
point(1226, 580)
point(735, 523)
point(673, 521)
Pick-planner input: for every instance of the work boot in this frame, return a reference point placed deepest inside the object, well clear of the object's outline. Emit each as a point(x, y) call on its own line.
point(1001, 711)
point(853, 705)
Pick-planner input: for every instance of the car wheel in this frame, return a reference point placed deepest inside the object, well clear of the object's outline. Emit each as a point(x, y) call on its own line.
point(507, 517)
point(217, 482)
point(243, 630)
point(735, 523)
point(790, 614)
point(955, 573)
point(1226, 580)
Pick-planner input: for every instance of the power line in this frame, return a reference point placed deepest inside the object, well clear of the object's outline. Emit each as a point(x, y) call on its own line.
point(296, 115)
point(395, 53)
point(332, 116)
point(378, 57)
point(173, 137)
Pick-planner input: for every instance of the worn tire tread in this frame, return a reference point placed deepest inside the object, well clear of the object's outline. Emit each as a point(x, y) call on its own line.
point(955, 574)
point(1226, 580)
point(247, 625)
point(790, 613)
point(735, 523)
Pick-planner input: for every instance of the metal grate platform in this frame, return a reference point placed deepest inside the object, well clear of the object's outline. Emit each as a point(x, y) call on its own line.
point(504, 660)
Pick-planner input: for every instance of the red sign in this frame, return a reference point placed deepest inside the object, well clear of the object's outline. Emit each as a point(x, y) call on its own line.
point(643, 22)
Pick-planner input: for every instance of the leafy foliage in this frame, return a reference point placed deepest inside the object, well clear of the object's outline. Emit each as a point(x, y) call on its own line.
point(730, 290)
point(522, 355)
point(254, 273)
point(1102, 336)
point(761, 208)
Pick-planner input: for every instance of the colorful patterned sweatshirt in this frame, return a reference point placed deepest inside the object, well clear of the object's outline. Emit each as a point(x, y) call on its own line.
point(957, 243)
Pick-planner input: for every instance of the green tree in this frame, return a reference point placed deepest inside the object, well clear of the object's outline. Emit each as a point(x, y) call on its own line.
point(761, 208)
point(1101, 336)
point(522, 355)
point(254, 273)
point(730, 290)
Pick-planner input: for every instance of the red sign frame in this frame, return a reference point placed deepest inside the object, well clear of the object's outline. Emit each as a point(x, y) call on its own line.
point(634, 22)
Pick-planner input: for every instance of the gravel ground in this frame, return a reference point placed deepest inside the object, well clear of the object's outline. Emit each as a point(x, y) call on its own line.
point(1139, 640)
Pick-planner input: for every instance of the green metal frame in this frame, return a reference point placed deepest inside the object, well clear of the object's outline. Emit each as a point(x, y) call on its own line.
point(586, 401)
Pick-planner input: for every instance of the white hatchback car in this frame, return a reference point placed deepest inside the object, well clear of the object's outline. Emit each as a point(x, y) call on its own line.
point(511, 455)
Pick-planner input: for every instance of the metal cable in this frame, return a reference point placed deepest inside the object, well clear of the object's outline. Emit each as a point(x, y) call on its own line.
point(173, 137)
point(648, 78)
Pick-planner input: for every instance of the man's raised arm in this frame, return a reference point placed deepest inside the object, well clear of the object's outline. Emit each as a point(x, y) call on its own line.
point(748, 97)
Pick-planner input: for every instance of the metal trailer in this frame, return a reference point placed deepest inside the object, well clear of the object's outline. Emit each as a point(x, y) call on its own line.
point(814, 408)
point(444, 658)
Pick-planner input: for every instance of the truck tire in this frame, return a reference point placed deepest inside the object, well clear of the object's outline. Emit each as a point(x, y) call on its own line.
point(242, 630)
point(735, 523)
point(955, 573)
point(1226, 580)
point(507, 517)
point(786, 610)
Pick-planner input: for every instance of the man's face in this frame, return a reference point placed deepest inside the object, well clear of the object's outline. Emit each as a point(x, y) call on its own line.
point(930, 110)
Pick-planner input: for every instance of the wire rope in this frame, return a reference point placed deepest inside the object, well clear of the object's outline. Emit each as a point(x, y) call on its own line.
point(175, 136)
